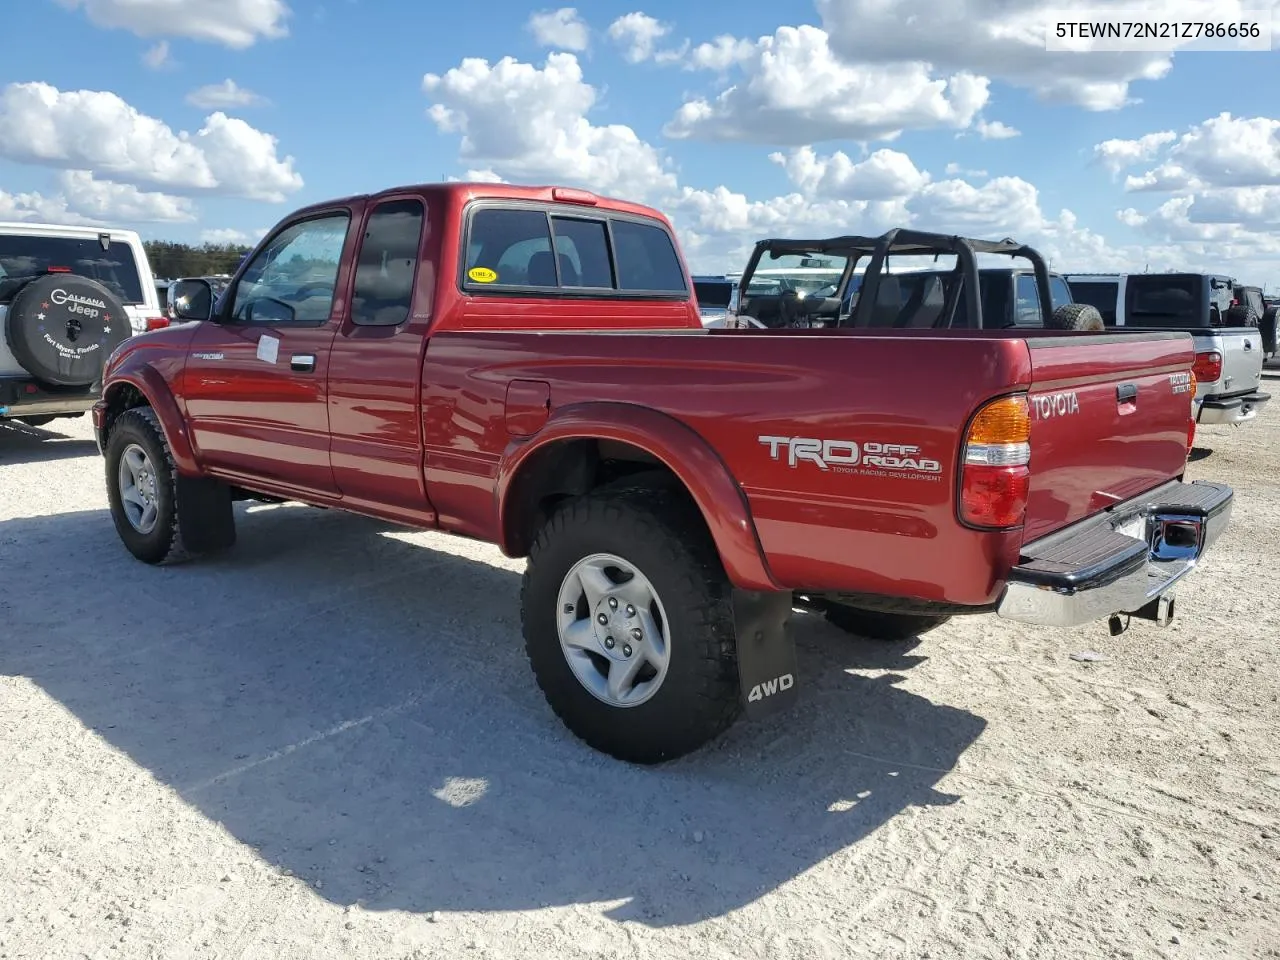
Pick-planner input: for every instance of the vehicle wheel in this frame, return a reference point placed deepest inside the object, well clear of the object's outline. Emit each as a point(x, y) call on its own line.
point(62, 327)
point(1077, 316)
point(1241, 315)
point(628, 624)
point(877, 625)
point(1270, 330)
point(161, 516)
point(36, 421)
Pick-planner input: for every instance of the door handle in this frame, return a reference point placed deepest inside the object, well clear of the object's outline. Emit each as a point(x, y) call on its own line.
point(303, 362)
point(1126, 393)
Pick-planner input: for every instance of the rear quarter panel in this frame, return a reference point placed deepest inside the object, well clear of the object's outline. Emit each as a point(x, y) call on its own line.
point(860, 528)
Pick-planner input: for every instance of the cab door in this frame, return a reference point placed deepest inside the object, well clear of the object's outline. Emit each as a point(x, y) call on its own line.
point(255, 383)
point(375, 370)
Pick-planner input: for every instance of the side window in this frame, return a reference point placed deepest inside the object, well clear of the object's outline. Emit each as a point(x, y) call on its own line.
point(583, 249)
point(646, 258)
point(1059, 291)
point(387, 263)
point(1027, 310)
point(509, 248)
point(292, 279)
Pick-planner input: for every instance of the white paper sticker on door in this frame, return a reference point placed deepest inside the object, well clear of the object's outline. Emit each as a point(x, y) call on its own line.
point(268, 348)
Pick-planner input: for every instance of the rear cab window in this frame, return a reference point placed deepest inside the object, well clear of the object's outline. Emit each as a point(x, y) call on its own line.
point(556, 250)
point(23, 256)
point(1155, 300)
point(1099, 294)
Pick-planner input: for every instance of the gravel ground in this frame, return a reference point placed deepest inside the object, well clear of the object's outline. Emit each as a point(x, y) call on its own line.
point(328, 744)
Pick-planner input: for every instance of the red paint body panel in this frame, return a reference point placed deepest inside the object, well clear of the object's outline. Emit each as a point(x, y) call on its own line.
point(440, 420)
point(1107, 452)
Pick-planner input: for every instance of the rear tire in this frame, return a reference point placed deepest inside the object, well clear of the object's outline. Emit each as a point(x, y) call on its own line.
point(876, 625)
point(1077, 316)
point(686, 692)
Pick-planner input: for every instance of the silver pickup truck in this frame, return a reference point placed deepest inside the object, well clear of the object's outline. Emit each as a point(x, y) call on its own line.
point(1228, 342)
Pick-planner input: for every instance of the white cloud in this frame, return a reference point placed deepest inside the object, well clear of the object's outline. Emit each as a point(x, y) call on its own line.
point(638, 34)
point(522, 123)
point(1232, 151)
point(720, 54)
point(885, 175)
point(527, 123)
point(33, 207)
point(1005, 41)
point(83, 200)
point(1166, 178)
point(109, 202)
point(995, 130)
point(226, 235)
point(224, 95)
point(157, 57)
point(561, 28)
point(1115, 155)
point(234, 23)
point(795, 91)
point(97, 130)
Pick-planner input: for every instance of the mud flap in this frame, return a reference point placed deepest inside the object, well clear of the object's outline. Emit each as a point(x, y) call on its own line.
point(766, 652)
point(205, 516)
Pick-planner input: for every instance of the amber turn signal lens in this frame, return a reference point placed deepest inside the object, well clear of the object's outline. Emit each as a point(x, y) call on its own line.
point(1007, 420)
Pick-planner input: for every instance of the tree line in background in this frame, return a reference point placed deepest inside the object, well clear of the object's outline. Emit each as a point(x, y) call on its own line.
point(170, 260)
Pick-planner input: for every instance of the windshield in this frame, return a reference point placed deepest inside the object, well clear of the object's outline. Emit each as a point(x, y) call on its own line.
point(24, 257)
point(803, 273)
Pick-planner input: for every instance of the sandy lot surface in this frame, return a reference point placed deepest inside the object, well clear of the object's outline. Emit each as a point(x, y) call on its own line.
point(327, 744)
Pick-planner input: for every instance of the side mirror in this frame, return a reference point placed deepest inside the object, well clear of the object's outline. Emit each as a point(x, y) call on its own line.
point(191, 300)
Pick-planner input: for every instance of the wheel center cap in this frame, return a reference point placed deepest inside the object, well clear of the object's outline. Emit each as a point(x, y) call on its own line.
point(615, 628)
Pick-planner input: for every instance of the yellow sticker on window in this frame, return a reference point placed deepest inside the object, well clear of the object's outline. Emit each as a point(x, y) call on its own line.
point(482, 274)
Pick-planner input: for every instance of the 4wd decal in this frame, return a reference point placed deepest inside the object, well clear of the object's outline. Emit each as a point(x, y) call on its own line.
point(770, 687)
point(869, 458)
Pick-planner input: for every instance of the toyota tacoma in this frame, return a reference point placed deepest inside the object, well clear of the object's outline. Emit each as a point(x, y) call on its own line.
point(527, 366)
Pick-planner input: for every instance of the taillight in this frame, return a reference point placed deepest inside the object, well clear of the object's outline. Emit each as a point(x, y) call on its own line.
point(995, 476)
point(157, 323)
point(1208, 366)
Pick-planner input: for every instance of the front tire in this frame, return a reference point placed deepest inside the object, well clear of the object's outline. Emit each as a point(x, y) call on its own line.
point(161, 516)
point(634, 566)
point(142, 488)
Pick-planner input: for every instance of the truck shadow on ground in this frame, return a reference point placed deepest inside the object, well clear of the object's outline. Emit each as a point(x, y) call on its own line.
point(20, 443)
point(356, 706)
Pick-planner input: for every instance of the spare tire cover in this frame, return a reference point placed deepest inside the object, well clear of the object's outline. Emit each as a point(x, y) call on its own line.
point(62, 327)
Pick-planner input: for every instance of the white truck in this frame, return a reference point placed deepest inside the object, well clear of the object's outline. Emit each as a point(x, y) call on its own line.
point(1222, 324)
point(68, 297)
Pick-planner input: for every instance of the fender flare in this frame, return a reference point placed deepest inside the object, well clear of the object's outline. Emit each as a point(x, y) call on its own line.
point(682, 450)
point(155, 390)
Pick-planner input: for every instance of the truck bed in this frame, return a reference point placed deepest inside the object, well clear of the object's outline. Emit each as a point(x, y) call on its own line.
point(844, 528)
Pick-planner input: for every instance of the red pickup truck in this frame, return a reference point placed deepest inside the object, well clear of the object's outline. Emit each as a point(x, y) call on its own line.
point(527, 366)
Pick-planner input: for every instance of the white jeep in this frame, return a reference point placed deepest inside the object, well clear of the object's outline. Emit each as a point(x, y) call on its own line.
point(68, 297)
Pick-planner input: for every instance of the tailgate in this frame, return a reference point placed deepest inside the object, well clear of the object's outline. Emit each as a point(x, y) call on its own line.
point(1109, 420)
point(1241, 362)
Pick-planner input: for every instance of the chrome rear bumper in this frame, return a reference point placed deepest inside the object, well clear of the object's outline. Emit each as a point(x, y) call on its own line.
point(1119, 561)
point(1232, 410)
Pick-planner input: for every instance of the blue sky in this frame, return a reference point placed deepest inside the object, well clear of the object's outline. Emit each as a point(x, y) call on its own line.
point(810, 117)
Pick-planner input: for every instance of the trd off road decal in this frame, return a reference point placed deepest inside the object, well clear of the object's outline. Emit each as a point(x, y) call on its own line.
point(1180, 382)
point(866, 459)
